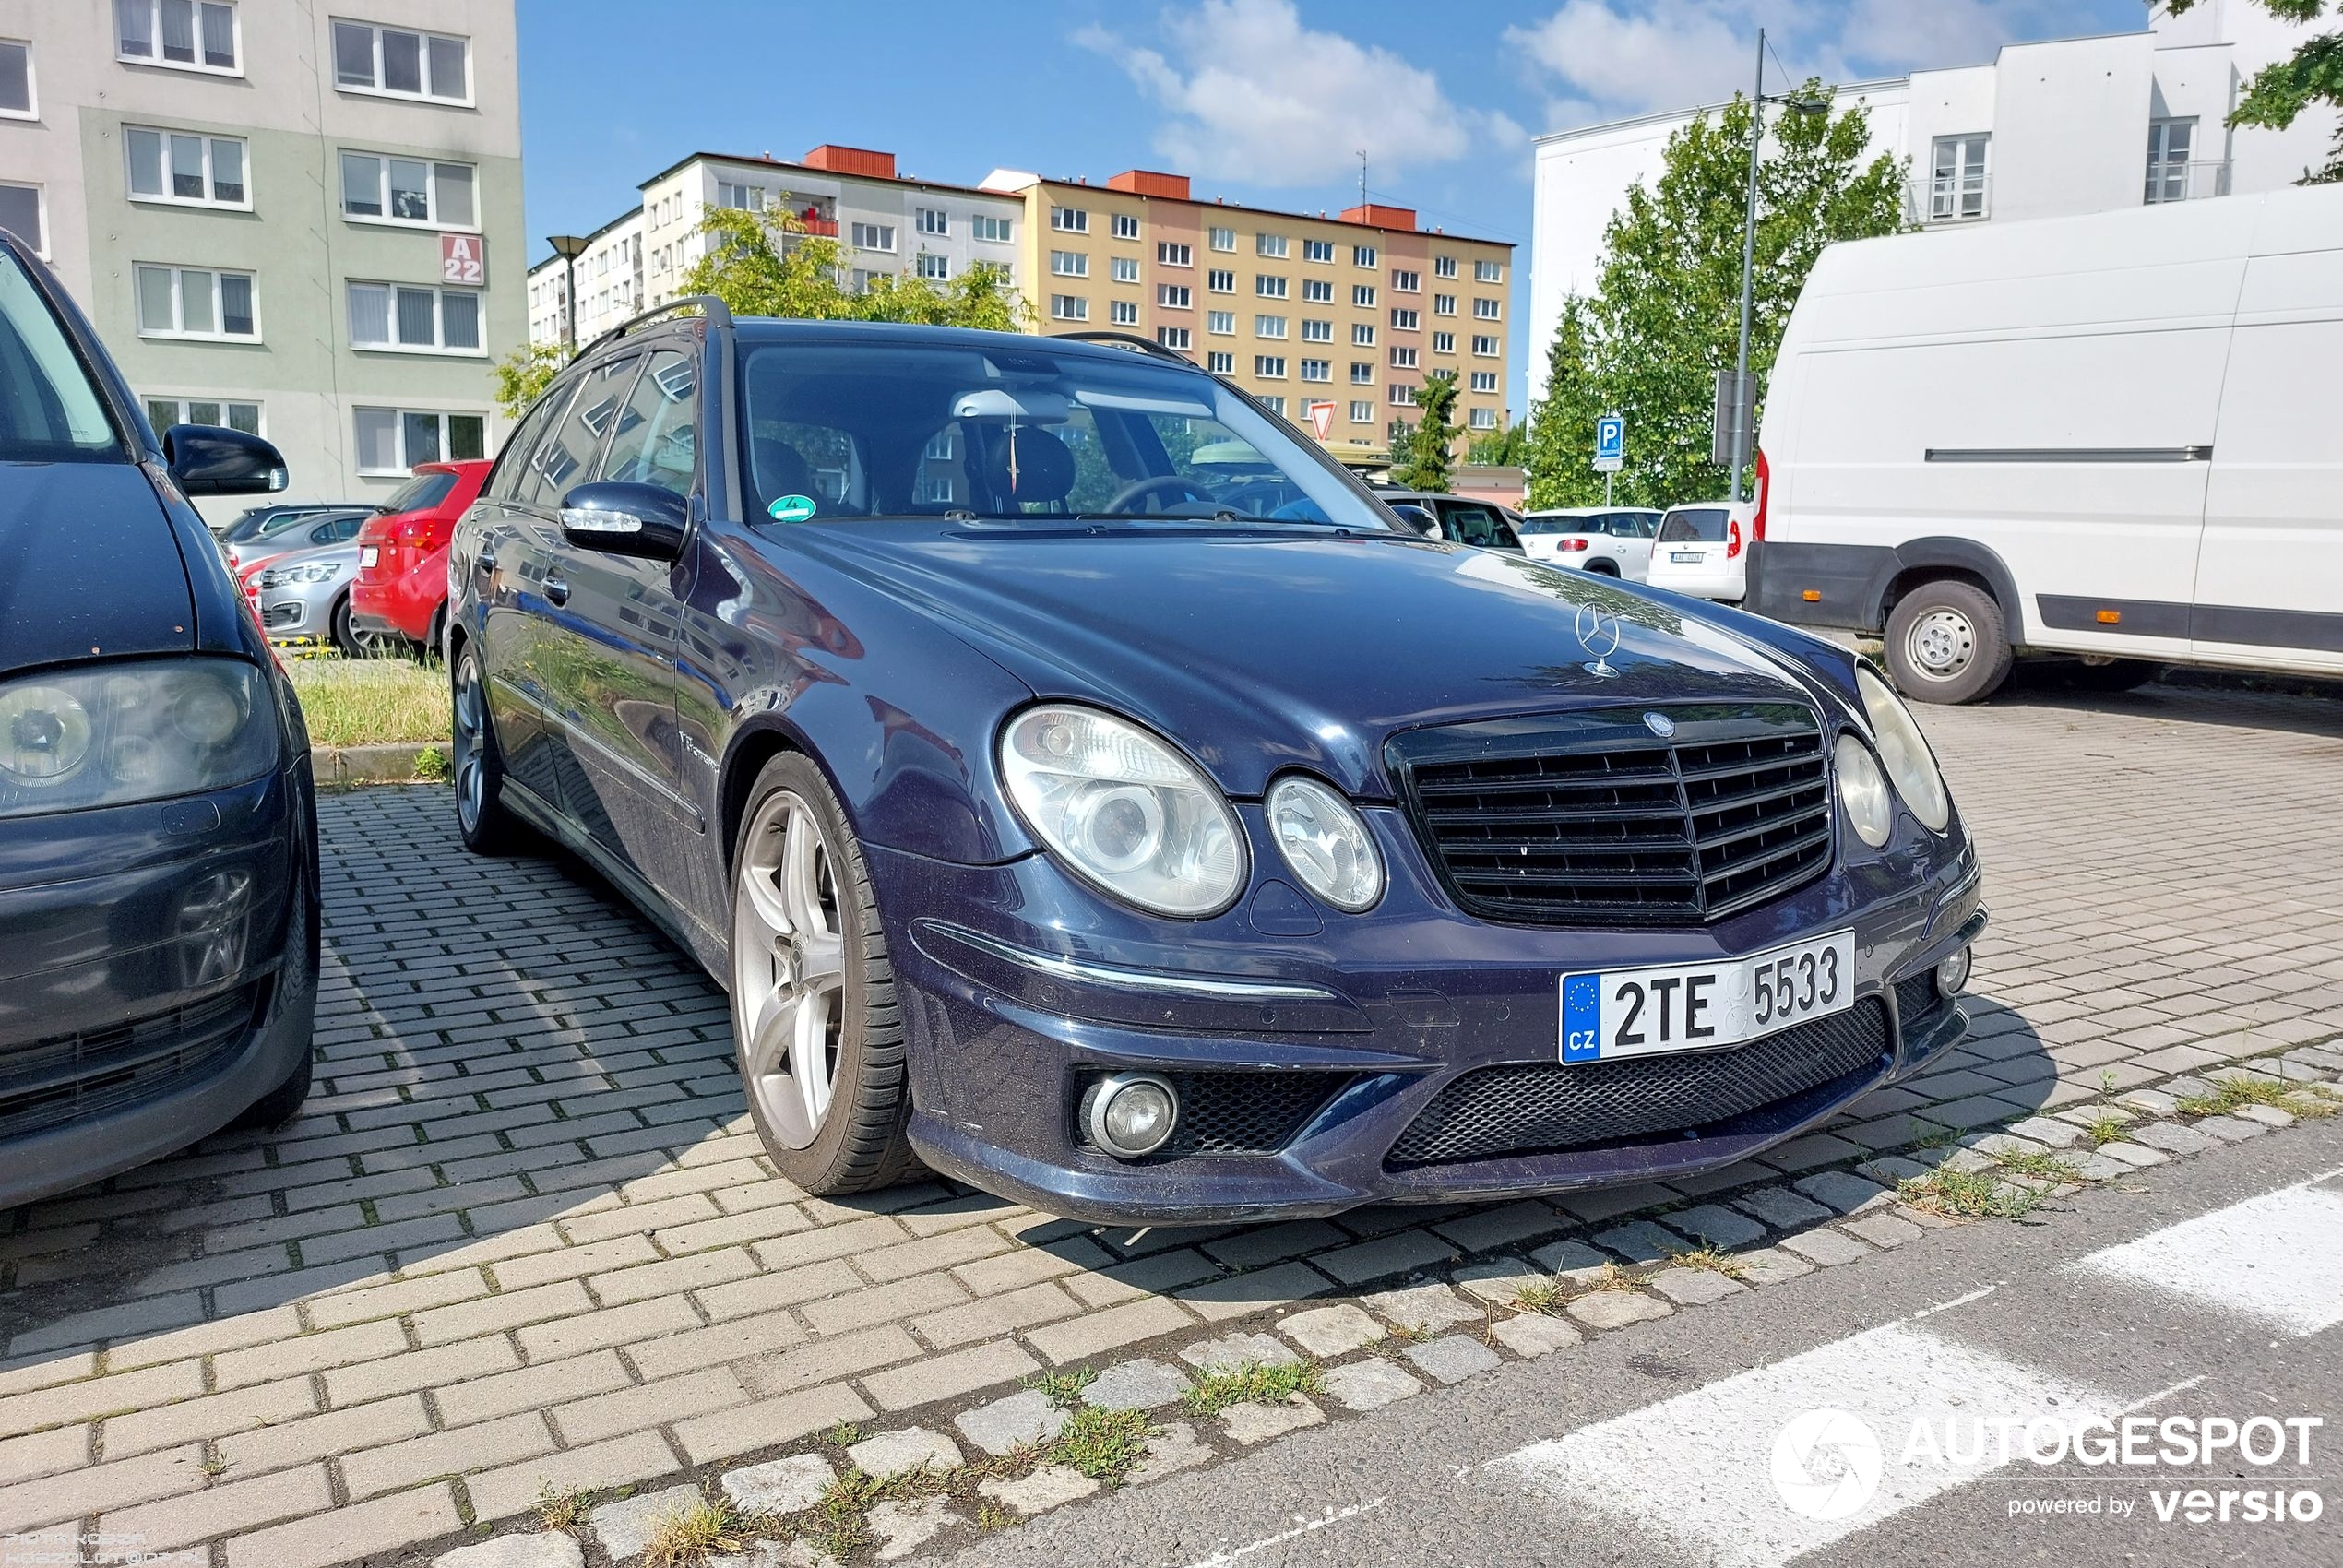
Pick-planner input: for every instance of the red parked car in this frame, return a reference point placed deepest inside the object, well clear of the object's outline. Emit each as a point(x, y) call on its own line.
point(402, 553)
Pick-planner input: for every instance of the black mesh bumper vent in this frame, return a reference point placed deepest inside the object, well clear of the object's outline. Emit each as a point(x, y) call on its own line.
point(1235, 1113)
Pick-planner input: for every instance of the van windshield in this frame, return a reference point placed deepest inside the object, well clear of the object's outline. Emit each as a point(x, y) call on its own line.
point(1702, 524)
point(51, 411)
point(860, 430)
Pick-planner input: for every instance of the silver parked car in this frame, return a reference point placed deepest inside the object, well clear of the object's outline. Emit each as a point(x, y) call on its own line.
point(307, 595)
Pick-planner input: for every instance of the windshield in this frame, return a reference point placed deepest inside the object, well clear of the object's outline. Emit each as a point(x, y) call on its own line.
point(864, 431)
point(49, 410)
point(420, 494)
point(1703, 525)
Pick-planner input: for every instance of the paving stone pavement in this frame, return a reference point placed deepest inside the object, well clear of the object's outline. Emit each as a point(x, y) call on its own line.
point(522, 1237)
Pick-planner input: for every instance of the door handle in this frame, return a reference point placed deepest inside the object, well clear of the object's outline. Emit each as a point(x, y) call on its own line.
point(557, 590)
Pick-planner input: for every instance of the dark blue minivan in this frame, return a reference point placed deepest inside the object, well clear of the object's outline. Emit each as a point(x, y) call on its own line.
point(158, 828)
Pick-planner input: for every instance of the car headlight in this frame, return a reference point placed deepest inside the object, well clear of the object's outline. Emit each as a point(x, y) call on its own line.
point(1324, 842)
point(1863, 792)
point(307, 572)
point(1911, 767)
point(1124, 810)
point(111, 734)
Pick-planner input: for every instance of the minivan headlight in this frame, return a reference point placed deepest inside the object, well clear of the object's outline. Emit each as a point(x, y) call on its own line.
point(1324, 841)
point(1911, 767)
point(109, 735)
point(1123, 810)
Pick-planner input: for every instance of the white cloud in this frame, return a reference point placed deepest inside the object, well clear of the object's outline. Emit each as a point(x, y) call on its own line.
point(1255, 96)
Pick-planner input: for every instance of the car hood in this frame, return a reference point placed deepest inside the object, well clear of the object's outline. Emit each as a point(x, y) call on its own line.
point(1259, 650)
point(89, 566)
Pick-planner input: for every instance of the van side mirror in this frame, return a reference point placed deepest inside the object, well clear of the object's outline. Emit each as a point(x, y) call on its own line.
point(622, 519)
point(1416, 517)
point(211, 460)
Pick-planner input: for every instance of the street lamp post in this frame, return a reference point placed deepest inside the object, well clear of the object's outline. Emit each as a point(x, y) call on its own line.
point(569, 247)
point(1743, 400)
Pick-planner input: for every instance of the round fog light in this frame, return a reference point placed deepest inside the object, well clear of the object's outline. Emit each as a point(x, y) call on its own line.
point(1130, 1114)
point(1952, 973)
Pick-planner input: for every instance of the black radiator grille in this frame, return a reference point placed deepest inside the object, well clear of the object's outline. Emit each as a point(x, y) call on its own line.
point(45, 1083)
point(1592, 818)
point(1546, 1108)
point(1236, 1112)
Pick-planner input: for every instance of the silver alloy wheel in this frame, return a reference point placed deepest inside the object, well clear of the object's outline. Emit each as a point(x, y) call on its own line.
point(1941, 643)
point(471, 728)
point(788, 967)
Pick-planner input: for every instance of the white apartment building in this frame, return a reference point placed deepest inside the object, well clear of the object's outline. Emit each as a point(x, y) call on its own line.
point(886, 224)
point(2072, 126)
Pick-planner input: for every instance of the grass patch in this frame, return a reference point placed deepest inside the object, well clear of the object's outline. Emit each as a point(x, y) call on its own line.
point(563, 1510)
point(991, 1515)
point(1712, 1260)
point(1063, 1389)
point(694, 1534)
point(838, 1511)
point(431, 766)
point(1610, 1277)
point(2105, 1129)
point(846, 1434)
point(1105, 1446)
point(2041, 1167)
point(2234, 1092)
point(364, 702)
point(1966, 1195)
point(1540, 1296)
point(1215, 1392)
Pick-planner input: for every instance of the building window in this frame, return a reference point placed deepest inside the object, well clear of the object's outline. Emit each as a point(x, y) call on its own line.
point(1317, 370)
point(414, 318)
point(164, 412)
point(996, 230)
point(741, 198)
point(392, 441)
point(407, 190)
point(1443, 304)
point(1169, 255)
point(1220, 362)
point(1487, 310)
point(1126, 226)
point(1069, 264)
point(1488, 272)
point(1486, 347)
point(1269, 286)
point(1484, 381)
point(1361, 335)
point(1956, 188)
point(1223, 239)
point(934, 267)
point(1316, 331)
point(20, 214)
point(939, 448)
point(1403, 397)
point(1317, 250)
point(1123, 313)
point(1174, 296)
point(1481, 419)
point(190, 170)
point(1221, 323)
point(1444, 342)
point(1069, 307)
point(1274, 403)
point(1268, 327)
point(1443, 267)
point(16, 80)
point(196, 302)
point(1172, 337)
point(871, 236)
point(2168, 144)
point(1403, 357)
point(1221, 281)
point(1406, 282)
point(1363, 256)
point(1124, 268)
point(1070, 219)
point(932, 221)
point(1269, 367)
point(1318, 291)
point(1361, 373)
point(1363, 295)
point(1405, 320)
point(1268, 244)
point(1361, 411)
point(194, 35)
point(403, 64)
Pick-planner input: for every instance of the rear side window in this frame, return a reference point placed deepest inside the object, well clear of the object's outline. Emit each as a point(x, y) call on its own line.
point(420, 494)
point(1475, 525)
point(1694, 524)
point(511, 472)
point(566, 456)
point(655, 440)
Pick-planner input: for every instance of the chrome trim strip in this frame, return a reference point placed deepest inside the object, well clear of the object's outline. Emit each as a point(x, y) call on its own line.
point(1059, 967)
point(2070, 455)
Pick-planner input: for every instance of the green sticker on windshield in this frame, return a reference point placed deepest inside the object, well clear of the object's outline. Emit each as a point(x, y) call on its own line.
point(791, 509)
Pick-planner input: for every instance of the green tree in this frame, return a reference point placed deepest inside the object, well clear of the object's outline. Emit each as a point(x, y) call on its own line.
point(1665, 315)
point(766, 264)
point(2280, 91)
point(522, 375)
point(1430, 460)
point(1502, 450)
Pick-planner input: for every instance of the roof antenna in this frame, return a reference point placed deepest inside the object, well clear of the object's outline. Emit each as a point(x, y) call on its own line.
point(1363, 177)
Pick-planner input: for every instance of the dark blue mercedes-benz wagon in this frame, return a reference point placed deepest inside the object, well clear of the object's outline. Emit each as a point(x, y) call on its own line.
point(1086, 788)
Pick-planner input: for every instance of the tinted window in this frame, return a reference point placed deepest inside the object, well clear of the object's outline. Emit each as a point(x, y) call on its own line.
point(1703, 525)
point(420, 494)
point(511, 472)
point(1470, 524)
point(50, 409)
point(655, 438)
point(566, 456)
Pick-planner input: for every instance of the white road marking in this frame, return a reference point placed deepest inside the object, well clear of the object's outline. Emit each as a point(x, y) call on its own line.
point(2278, 1257)
point(1331, 1516)
point(1696, 1469)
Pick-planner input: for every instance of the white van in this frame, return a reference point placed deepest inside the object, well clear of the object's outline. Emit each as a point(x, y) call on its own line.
point(2118, 436)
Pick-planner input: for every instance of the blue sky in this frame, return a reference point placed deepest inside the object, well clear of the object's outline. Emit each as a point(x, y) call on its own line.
point(1264, 101)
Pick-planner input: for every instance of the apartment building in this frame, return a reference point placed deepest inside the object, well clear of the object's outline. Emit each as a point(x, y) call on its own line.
point(302, 219)
point(1333, 321)
point(2068, 125)
point(609, 284)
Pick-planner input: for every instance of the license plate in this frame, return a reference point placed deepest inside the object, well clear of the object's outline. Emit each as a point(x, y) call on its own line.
point(369, 555)
point(1621, 1013)
point(1685, 557)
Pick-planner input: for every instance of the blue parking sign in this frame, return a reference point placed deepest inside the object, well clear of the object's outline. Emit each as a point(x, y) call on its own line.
point(1611, 438)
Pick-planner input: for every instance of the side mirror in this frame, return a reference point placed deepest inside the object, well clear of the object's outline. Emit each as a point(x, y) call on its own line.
point(1416, 517)
point(210, 459)
point(620, 518)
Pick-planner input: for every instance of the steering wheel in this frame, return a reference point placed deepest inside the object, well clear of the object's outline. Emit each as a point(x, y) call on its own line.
point(1137, 490)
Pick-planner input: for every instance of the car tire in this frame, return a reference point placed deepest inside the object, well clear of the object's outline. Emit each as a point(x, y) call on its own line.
point(1601, 569)
point(1946, 643)
point(819, 1031)
point(486, 827)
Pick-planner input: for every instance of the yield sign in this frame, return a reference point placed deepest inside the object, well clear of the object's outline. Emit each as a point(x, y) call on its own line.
point(1322, 419)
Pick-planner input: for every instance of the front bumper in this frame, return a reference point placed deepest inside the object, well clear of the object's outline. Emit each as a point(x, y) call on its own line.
point(301, 612)
point(1008, 1015)
point(158, 975)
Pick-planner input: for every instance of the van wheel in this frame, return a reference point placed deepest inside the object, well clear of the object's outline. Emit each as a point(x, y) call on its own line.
point(1946, 643)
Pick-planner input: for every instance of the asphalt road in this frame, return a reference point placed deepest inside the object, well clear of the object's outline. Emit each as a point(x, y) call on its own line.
point(1658, 1447)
